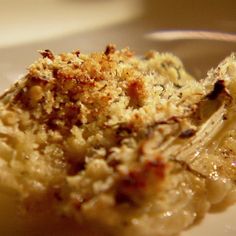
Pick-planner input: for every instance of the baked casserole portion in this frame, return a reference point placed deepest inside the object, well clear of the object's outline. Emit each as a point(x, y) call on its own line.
point(123, 143)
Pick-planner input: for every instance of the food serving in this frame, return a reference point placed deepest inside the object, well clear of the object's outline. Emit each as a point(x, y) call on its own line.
point(124, 144)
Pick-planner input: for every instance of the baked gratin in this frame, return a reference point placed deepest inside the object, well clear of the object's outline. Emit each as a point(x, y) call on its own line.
point(122, 144)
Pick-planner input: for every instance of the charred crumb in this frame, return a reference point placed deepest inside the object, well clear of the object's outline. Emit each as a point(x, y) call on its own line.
point(55, 72)
point(110, 49)
point(219, 87)
point(177, 86)
point(57, 193)
point(124, 130)
point(171, 120)
point(224, 117)
point(75, 167)
point(47, 54)
point(162, 86)
point(113, 162)
point(122, 198)
point(77, 53)
point(163, 65)
point(187, 133)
